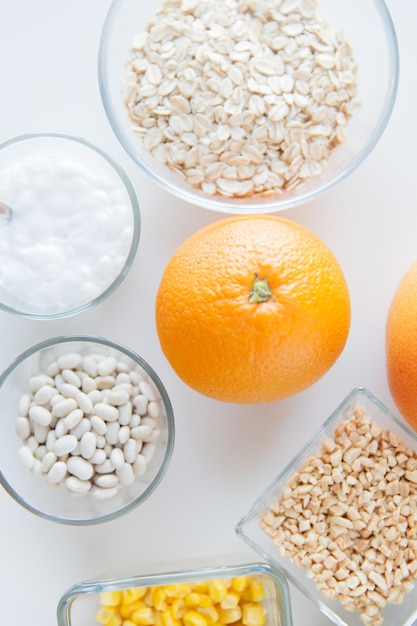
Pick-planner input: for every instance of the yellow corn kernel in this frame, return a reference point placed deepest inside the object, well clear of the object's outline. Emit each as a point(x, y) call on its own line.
point(229, 616)
point(178, 608)
point(159, 599)
point(239, 583)
point(210, 613)
point(201, 586)
point(104, 614)
point(179, 590)
point(254, 592)
point(253, 615)
point(131, 595)
point(192, 599)
point(217, 590)
point(257, 590)
point(116, 620)
point(204, 600)
point(126, 610)
point(110, 598)
point(231, 600)
point(193, 618)
point(168, 619)
point(143, 617)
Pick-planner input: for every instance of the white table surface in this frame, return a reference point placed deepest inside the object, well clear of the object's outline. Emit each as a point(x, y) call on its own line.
point(224, 454)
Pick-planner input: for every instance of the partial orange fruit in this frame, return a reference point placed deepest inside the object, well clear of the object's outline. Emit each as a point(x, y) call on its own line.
point(252, 309)
point(401, 346)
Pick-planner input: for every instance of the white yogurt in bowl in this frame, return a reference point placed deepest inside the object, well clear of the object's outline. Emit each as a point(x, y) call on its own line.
point(74, 229)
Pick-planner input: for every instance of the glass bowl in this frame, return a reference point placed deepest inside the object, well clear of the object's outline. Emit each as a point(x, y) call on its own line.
point(74, 227)
point(88, 386)
point(375, 55)
point(81, 603)
point(340, 543)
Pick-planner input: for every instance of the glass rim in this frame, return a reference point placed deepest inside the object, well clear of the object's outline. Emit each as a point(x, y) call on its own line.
point(226, 205)
point(134, 204)
point(63, 339)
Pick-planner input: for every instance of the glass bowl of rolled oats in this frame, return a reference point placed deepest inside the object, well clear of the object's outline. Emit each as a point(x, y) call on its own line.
point(251, 105)
point(340, 521)
point(88, 430)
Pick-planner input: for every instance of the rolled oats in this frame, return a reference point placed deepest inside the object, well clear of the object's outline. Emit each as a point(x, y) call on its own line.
point(270, 64)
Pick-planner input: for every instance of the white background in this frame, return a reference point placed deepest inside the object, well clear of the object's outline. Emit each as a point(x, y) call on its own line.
point(224, 454)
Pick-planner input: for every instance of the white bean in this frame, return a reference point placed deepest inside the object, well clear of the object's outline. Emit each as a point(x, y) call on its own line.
point(117, 458)
point(70, 360)
point(88, 384)
point(89, 365)
point(83, 427)
point(105, 468)
point(73, 419)
point(124, 434)
point(105, 382)
point(134, 420)
point(141, 432)
point(103, 494)
point(65, 445)
point(139, 465)
point(50, 440)
point(125, 474)
point(40, 452)
point(98, 457)
point(106, 411)
point(68, 390)
point(60, 428)
point(24, 405)
point(48, 460)
point(98, 424)
point(125, 413)
point(44, 394)
point(140, 404)
point(84, 402)
point(61, 409)
point(22, 427)
point(36, 382)
point(117, 398)
point(79, 467)
point(71, 377)
point(100, 441)
point(154, 409)
point(40, 415)
point(76, 485)
point(122, 377)
point(129, 451)
point(107, 366)
point(95, 396)
point(40, 432)
point(53, 369)
point(55, 399)
point(26, 457)
point(148, 451)
point(123, 367)
point(112, 434)
point(106, 480)
point(88, 445)
point(147, 390)
point(57, 472)
point(32, 443)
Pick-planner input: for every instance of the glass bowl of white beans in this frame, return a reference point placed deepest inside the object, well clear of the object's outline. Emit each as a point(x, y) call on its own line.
point(88, 430)
point(250, 594)
point(340, 521)
point(69, 225)
point(248, 107)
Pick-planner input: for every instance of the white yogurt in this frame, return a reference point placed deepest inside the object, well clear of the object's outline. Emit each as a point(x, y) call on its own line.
point(70, 233)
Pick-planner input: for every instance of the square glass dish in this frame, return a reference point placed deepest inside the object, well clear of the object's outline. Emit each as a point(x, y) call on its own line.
point(340, 521)
point(185, 597)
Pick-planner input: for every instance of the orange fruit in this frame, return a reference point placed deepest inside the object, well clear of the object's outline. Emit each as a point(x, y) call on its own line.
point(252, 309)
point(401, 346)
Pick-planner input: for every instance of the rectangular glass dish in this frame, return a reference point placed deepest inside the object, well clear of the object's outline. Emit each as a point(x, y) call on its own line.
point(82, 604)
point(340, 521)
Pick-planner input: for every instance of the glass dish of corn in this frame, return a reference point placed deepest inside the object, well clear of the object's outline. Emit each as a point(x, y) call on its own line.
point(254, 594)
